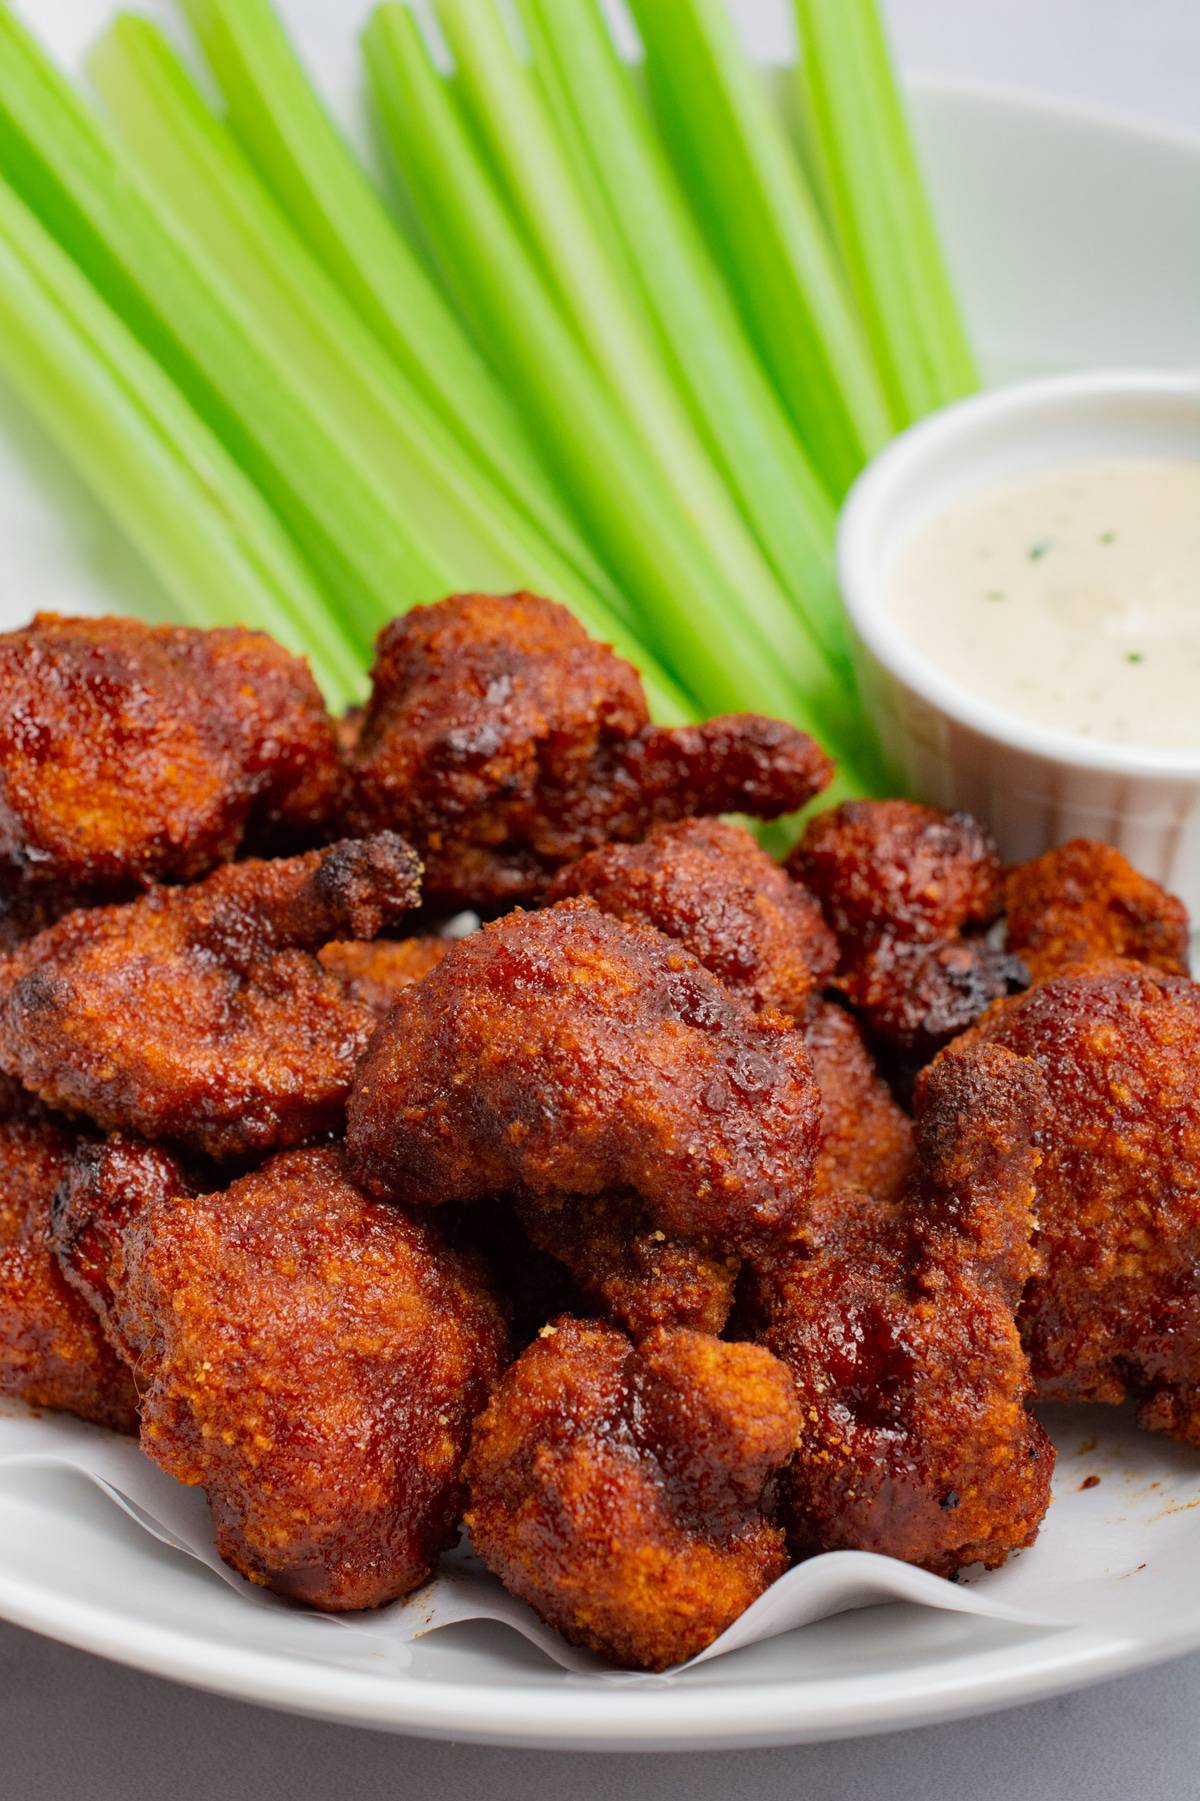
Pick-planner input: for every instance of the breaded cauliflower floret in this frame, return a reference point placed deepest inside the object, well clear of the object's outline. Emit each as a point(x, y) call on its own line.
point(896, 868)
point(131, 753)
point(910, 892)
point(897, 1322)
point(565, 1052)
point(1113, 1313)
point(504, 742)
point(1085, 901)
point(311, 1359)
point(625, 1492)
point(201, 1014)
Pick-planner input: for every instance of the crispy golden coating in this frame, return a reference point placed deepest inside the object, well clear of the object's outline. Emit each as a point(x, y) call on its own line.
point(374, 973)
point(132, 753)
point(626, 1266)
point(893, 868)
point(505, 742)
point(1085, 901)
point(1114, 1311)
point(867, 1139)
point(898, 1325)
point(708, 884)
point(312, 1359)
point(625, 1493)
point(909, 891)
point(565, 1052)
point(200, 1014)
point(52, 1351)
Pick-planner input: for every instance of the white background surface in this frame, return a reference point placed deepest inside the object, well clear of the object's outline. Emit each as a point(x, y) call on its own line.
point(73, 1726)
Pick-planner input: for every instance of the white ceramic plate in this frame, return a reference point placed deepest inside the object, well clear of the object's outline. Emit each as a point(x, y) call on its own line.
point(1076, 241)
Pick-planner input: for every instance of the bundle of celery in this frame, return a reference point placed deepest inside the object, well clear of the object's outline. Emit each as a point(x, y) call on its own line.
point(603, 337)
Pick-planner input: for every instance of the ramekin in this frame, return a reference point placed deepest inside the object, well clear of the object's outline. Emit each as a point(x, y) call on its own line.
point(1034, 786)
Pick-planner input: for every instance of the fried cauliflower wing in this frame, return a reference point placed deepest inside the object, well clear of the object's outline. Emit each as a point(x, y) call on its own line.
point(1084, 901)
point(566, 1052)
point(131, 754)
point(897, 1322)
point(894, 867)
point(311, 1359)
point(1113, 1313)
point(910, 892)
point(708, 884)
point(504, 742)
point(201, 1014)
point(52, 1351)
point(625, 1492)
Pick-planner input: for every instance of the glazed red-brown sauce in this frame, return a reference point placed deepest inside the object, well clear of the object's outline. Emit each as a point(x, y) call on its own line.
point(567, 1052)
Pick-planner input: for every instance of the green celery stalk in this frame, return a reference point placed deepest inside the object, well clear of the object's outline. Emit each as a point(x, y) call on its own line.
point(281, 123)
point(735, 404)
point(573, 149)
point(880, 208)
point(683, 603)
point(340, 506)
point(621, 338)
point(217, 549)
point(688, 608)
point(767, 231)
point(193, 163)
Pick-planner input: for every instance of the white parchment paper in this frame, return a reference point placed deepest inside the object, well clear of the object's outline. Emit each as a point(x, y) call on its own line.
point(1115, 1554)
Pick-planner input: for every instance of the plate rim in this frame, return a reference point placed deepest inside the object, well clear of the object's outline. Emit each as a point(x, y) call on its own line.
point(600, 1718)
point(800, 1710)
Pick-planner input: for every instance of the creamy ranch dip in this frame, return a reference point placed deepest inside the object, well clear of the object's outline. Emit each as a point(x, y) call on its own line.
point(1071, 596)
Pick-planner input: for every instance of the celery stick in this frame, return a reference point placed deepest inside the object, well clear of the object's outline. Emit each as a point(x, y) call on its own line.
point(217, 549)
point(653, 546)
point(622, 340)
point(338, 504)
point(881, 213)
point(735, 403)
point(767, 231)
point(275, 112)
point(572, 147)
point(191, 160)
